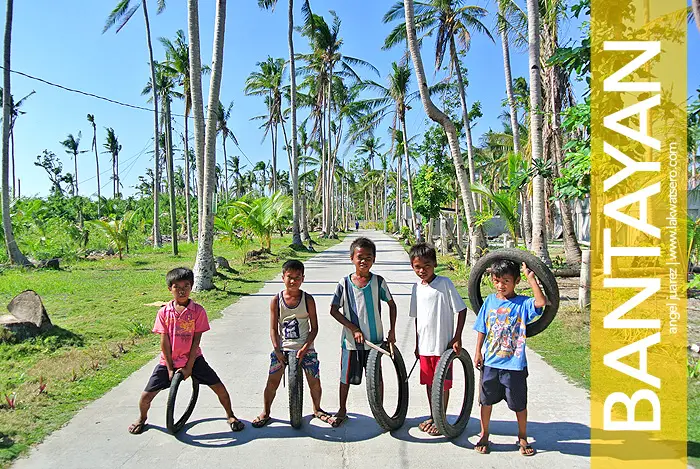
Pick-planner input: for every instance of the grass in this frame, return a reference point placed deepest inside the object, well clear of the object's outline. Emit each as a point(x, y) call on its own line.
point(102, 313)
point(566, 347)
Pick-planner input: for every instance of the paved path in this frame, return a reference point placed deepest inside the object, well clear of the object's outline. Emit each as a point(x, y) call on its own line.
point(238, 347)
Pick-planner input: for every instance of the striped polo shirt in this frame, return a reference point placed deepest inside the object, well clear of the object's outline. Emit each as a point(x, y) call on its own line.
point(362, 307)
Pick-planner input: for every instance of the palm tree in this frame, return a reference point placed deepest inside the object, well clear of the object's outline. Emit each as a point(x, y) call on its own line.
point(113, 148)
point(15, 112)
point(91, 120)
point(204, 267)
point(539, 238)
point(13, 252)
point(296, 208)
point(452, 21)
point(477, 241)
point(72, 145)
point(222, 117)
point(268, 82)
point(121, 14)
point(696, 12)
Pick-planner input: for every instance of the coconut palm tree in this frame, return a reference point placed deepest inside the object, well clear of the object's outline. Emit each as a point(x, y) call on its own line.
point(72, 145)
point(222, 117)
point(15, 112)
point(113, 148)
point(204, 267)
point(121, 15)
point(539, 238)
point(268, 82)
point(296, 208)
point(453, 24)
point(476, 238)
point(13, 251)
point(91, 120)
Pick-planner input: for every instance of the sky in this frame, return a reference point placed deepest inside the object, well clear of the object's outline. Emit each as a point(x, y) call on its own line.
point(62, 42)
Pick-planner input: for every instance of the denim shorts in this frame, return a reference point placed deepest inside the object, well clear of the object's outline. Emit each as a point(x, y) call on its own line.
point(309, 363)
point(497, 384)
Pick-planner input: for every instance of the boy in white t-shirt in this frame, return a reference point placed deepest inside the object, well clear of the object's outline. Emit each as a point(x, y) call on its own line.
point(434, 302)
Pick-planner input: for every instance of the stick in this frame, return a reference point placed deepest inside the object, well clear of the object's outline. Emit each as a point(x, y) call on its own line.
point(378, 349)
point(412, 368)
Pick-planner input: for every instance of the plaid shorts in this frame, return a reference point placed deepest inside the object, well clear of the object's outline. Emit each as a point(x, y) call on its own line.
point(309, 363)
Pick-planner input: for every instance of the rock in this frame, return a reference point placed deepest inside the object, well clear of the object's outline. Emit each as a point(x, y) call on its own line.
point(27, 315)
point(222, 263)
point(49, 264)
point(109, 251)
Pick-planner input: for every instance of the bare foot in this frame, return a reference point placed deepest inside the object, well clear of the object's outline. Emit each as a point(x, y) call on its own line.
point(482, 446)
point(137, 427)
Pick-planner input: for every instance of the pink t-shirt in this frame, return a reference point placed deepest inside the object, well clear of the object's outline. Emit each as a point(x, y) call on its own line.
point(181, 328)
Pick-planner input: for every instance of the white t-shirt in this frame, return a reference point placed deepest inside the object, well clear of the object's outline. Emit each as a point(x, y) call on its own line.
point(434, 306)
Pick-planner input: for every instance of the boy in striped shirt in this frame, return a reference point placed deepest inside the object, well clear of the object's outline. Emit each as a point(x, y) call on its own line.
point(359, 296)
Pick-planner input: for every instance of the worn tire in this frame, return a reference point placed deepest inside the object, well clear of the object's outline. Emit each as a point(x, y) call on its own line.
point(542, 272)
point(374, 378)
point(175, 427)
point(296, 389)
point(438, 397)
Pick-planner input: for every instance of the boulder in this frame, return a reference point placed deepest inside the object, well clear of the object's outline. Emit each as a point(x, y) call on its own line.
point(27, 315)
point(49, 264)
point(222, 263)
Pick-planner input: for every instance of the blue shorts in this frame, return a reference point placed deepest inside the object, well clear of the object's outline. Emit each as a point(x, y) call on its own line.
point(497, 384)
point(309, 363)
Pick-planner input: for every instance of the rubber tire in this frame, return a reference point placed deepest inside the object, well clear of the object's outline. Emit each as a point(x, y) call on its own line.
point(542, 272)
point(296, 389)
point(374, 377)
point(437, 396)
point(172, 426)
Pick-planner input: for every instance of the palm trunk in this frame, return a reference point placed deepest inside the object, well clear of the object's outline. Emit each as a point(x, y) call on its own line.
point(97, 166)
point(197, 103)
point(204, 267)
point(408, 174)
point(188, 208)
point(509, 88)
point(331, 162)
point(75, 164)
point(157, 241)
point(294, 168)
point(399, 176)
point(695, 4)
point(13, 252)
point(476, 238)
point(539, 238)
point(14, 175)
point(274, 159)
point(225, 172)
point(384, 208)
point(171, 175)
point(465, 116)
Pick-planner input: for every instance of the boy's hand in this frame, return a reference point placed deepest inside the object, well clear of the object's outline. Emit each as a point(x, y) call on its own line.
point(391, 337)
point(186, 372)
point(280, 356)
point(529, 274)
point(171, 373)
point(359, 338)
point(456, 344)
point(478, 360)
point(302, 351)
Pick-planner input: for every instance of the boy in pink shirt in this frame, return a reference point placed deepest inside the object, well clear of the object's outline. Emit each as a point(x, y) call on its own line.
point(180, 324)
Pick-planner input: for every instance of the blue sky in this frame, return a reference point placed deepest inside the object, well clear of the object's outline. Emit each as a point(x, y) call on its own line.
point(63, 42)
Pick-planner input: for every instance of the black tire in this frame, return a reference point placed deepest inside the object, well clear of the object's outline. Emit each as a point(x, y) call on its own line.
point(438, 397)
point(296, 389)
point(374, 379)
point(175, 427)
point(542, 272)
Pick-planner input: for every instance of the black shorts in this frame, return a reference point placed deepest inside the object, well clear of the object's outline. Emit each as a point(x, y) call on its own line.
point(352, 364)
point(200, 370)
point(497, 384)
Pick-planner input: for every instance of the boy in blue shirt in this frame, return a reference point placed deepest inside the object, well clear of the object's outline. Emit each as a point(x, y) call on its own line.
point(501, 325)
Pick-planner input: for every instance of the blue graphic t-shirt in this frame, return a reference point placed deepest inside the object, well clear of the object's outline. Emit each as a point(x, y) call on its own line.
point(504, 323)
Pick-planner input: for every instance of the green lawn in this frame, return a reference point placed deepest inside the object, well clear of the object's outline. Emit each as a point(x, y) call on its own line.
point(102, 330)
point(566, 346)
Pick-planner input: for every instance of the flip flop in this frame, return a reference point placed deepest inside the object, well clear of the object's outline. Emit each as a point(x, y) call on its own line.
point(425, 424)
point(338, 421)
point(323, 417)
point(260, 422)
point(137, 428)
point(486, 447)
point(524, 447)
point(236, 425)
point(432, 430)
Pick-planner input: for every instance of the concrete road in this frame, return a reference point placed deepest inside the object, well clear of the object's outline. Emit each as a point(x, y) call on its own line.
point(238, 348)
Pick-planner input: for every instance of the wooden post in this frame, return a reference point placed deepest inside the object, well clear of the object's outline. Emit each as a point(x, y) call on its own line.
point(443, 235)
point(584, 287)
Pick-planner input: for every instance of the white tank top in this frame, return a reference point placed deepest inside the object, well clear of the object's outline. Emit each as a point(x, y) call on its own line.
point(293, 323)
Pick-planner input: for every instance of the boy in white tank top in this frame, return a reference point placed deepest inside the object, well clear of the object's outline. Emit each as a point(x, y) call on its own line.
point(293, 328)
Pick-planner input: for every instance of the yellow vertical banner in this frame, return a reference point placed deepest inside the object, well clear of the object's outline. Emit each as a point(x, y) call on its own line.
point(638, 236)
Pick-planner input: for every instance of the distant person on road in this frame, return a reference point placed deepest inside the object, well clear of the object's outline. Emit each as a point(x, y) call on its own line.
point(501, 326)
point(358, 296)
point(293, 328)
point(180, 324)
point(434, 303)
point(357, 225)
